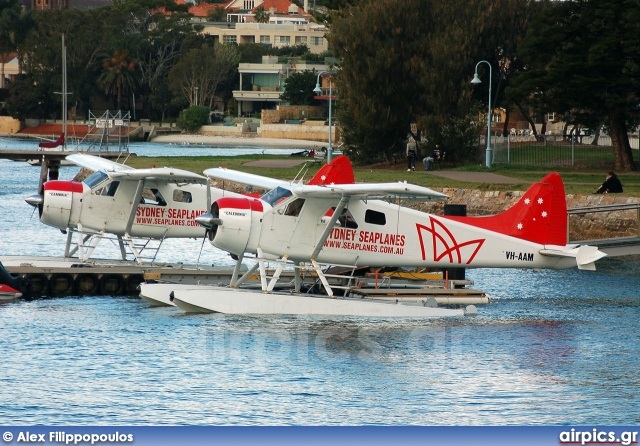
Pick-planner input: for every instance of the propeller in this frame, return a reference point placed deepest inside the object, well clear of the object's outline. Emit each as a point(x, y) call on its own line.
point(37, 201)
point(208, 220)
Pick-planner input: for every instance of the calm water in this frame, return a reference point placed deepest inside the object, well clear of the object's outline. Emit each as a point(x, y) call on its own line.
point(555, 347)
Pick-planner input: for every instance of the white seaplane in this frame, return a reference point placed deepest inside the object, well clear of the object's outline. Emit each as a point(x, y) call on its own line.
point(359, 224)
point(136, 205)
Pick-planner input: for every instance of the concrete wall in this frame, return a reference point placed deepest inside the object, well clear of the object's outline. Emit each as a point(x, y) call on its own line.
point(9, 125)
point(311, 131)
point(296, 112)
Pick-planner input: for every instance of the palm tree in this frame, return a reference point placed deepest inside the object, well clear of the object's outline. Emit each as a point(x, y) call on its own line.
point(118, 75)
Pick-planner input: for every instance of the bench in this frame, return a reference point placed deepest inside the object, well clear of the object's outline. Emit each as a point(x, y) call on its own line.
point(318, 157)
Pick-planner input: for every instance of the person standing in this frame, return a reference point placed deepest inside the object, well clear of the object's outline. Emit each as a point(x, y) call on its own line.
point(611, 185)
point(411, 154)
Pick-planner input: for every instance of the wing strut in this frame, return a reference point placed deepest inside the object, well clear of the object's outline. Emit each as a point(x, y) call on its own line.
point(134, 206)
point(323, 238)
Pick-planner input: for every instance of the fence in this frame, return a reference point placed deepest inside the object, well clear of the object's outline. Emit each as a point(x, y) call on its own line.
point(553, 150)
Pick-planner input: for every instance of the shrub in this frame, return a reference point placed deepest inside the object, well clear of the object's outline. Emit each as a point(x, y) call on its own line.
point(192, 118)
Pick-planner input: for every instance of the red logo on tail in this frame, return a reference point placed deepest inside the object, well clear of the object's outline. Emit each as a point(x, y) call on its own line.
point(445, 244)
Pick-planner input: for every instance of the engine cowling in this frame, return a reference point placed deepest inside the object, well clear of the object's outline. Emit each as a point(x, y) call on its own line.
point(57, 202)
point(237, 224)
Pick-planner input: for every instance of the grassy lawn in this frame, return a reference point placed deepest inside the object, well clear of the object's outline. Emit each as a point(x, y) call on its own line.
point(577, 180)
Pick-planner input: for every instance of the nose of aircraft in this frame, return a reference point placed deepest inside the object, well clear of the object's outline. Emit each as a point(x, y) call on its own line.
point(35, 200)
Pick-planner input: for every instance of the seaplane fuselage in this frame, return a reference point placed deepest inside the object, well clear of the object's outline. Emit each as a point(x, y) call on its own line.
point(300, 224)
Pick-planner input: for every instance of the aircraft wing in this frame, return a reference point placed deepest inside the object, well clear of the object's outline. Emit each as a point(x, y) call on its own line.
point(123, 172)
point(248, 179)
point(96, 163)
point(371, 191)
point(165, 174)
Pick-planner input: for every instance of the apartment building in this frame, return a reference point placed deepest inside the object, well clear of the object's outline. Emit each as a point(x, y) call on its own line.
point(262, 84)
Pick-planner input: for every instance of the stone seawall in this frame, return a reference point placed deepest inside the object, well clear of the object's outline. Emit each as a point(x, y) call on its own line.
point(592, 225)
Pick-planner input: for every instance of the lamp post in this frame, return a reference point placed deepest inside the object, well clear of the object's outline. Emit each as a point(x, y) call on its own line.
point(197, 88)
point(476, 80)
point(318, 91)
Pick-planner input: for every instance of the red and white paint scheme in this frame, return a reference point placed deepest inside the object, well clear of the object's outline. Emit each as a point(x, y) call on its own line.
point(358, 224)
point(351, 224)
point(127, 203)
point(8, 293)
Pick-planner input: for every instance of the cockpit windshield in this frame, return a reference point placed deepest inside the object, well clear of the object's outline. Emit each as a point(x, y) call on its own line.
point(274, 196)
point(95, 179)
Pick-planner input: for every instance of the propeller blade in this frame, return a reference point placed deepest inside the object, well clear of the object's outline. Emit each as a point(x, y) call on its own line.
point(208, 220)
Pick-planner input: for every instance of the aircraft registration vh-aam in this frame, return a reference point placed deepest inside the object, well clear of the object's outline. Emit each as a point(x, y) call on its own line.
point(365, 224)
point(139, 204)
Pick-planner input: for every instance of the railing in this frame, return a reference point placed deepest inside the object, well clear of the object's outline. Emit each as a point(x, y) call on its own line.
point(553, 150)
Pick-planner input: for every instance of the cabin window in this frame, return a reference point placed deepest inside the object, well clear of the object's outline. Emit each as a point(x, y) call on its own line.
point(294, 208)
point(375, 217)
point(345, 220)
point(152, 197)
point(181, 196)
point(108, 190)
point(112, 188)
point(95, 179)
point(276, 195)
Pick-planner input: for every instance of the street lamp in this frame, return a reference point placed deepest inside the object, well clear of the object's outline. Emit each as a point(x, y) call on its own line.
point(318, 91)
point(197, 88)
point(476, 80)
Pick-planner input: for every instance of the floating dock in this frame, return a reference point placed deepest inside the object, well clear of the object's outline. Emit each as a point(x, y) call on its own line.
point(50, 276)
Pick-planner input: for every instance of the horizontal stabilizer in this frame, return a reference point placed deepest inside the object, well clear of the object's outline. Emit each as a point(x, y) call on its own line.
point(585, 255)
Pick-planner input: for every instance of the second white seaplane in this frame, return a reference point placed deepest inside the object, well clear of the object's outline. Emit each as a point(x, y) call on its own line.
point(365, 224)
point(138, 205)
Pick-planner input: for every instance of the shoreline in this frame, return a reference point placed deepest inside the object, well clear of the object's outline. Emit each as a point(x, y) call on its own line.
point(236, 141)
point(208, 139)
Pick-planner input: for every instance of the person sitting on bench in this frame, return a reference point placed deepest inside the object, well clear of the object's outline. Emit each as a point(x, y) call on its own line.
point(436, 157)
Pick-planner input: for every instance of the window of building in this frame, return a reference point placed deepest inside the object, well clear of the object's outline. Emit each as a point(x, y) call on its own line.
point(249, 4)
point(229, 39)
point(551, 117)
point(282, 40)
point(316, 41)
point(301, 40)
point(375, 218)
point(265, 39)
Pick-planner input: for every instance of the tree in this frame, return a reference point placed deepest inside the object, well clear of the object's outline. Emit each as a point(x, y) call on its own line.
point(155, 31)
point(411, 61)
point(118, 75)
point(201, 71)
point(14, 27)
point(298, 88)
point(216, 15)
point(261, 15)
point(582, 58)
point(26, 98)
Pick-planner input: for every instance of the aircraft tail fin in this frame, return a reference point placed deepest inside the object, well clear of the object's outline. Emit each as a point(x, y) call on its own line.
point(338, 171)
point(540, 216)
